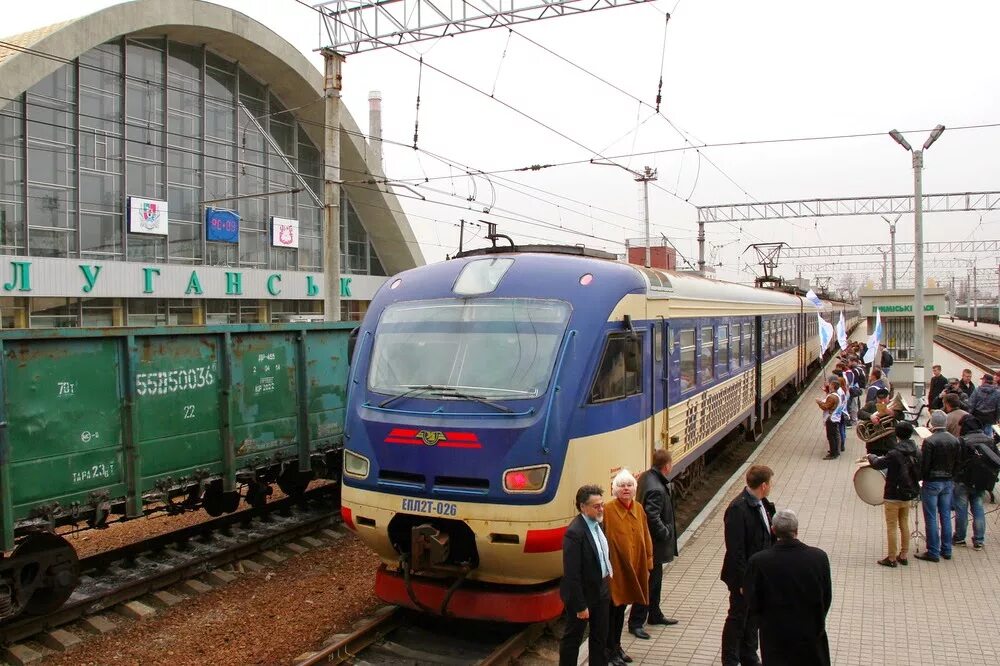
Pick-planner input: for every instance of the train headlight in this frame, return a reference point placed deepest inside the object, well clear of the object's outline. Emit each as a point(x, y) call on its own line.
point(355, 465)
point(526, 479)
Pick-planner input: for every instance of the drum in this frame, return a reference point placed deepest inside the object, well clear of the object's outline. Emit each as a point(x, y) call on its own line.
point(869, 484)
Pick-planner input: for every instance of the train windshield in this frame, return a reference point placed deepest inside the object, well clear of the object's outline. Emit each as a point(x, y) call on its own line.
point(501, 348)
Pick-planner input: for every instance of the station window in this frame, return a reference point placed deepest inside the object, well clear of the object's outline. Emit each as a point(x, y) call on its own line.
point(706, 363)
point(724, 347)
point(620, 372)
point(687, 359)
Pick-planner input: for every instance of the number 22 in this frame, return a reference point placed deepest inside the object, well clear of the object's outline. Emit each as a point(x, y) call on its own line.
point(188, 411)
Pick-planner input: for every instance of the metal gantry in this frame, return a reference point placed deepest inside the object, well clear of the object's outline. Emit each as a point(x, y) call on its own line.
point(884, 205)
point(353, 26)
point(869, 250)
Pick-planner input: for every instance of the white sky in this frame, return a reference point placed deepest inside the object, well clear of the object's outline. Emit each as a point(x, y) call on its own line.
point(733, 70)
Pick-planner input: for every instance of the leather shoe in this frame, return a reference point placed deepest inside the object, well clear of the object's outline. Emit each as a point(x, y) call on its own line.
point(663, 620)
point(615, 660)
point(926, 557)
point(624, 657)
point(639, 633)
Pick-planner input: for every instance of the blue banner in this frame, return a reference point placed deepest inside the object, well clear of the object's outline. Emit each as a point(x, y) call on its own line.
point(222, 225)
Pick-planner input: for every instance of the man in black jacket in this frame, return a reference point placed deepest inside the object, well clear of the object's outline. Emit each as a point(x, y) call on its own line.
point(584, 585)
point(970, 485)
point(938, 464)
point(654, 493)
point(789, 589)
point(747, 524)
point(936, 387)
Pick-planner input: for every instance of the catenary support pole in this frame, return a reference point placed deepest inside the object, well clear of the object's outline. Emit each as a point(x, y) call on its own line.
point(331, 187)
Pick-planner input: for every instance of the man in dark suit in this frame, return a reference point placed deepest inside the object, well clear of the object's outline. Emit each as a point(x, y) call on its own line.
point(788, 589)
point(747, 524)
point(654, 493)
point(584, 587)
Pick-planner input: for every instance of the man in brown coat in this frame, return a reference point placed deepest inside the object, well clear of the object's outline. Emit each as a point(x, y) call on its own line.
point(631, 549)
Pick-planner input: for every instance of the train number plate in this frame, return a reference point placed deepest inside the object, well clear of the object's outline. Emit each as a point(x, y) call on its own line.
point(432, 507)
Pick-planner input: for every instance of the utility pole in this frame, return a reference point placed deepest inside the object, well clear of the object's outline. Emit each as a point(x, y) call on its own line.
point(647, 175)
point(892, 245)
point(975, 296)
point(332, 62)
point(918, 255)
point(883, 272)
point(701, 246)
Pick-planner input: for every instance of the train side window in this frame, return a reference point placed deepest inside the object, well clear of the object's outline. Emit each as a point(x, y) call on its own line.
point(707, 361)
point(687, 359)
point(734, 347)
point(620, 372)
point(724, 348)
point(747, 354)
point(658, 340)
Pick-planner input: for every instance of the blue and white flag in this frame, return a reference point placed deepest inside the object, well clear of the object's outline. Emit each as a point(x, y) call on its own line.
point(842, 332)
point(814, 299)
point(874, 339)
point(825, 333)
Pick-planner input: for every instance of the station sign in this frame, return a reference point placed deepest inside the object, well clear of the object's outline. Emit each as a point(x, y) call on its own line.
point(53, 277)
point(147, 216)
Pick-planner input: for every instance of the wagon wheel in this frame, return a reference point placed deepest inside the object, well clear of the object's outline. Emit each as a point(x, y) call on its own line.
point(56, 573)
point(216, 502)
point(294, 483)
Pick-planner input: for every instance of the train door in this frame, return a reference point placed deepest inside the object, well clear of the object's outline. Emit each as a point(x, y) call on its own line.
point(658, 375)
point(801, 360)
point(758, 378)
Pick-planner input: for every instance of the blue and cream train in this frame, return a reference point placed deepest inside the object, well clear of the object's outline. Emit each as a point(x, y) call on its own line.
point(486, 389)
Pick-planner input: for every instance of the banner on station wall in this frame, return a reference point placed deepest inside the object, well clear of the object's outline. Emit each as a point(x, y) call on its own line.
point(222, 225)
point(147, 216)
point(284, 232)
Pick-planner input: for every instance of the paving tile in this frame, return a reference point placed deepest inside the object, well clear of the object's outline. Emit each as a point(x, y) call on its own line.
point(879, 615)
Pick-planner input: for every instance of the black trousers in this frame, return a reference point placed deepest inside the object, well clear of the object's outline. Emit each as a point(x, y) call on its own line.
point(616, 622)
point(833, 436)
point(639, 614)
point(569, 645)
point(739, 634)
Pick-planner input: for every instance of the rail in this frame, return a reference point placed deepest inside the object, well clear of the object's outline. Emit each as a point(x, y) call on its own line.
point(398, 626)
point(979, 349)
point(117, 575)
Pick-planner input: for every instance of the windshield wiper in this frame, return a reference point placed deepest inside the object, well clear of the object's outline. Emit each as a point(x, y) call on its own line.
point(447, 390)
point(413, 390)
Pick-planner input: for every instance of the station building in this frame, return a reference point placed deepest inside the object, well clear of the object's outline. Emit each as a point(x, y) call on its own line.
point(128, 141)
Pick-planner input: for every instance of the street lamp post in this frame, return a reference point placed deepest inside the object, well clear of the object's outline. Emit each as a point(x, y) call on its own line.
point(918, 255)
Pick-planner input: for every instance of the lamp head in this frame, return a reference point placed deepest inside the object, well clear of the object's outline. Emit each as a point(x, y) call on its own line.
point(935, 133)
point(898, 138)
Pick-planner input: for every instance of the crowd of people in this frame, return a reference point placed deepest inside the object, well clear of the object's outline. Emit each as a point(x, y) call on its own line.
point(613, 556)
point(780, 589)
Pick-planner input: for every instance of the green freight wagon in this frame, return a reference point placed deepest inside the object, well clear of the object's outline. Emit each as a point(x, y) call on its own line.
point(109, 424)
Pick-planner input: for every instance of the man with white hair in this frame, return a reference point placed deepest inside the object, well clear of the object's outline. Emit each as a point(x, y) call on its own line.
point(631, 549)
point(788, 587)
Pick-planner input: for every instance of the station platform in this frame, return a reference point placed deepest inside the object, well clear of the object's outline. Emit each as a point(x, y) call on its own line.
point(984, 328)
point(923, 613)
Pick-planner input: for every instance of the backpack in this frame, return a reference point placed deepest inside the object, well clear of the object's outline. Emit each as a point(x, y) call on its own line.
point(986, 416)
point(860, 379)
point(982, 467)
point(886, 359)
point(909, 475)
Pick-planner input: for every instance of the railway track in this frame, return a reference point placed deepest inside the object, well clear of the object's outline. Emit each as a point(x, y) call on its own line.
point(980, 349)
point(127, 573)
point(400, 636)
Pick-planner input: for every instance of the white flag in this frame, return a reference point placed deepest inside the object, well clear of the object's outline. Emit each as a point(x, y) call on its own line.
point(825, 333)
point(814, 299)
point(842, 332)
point(874, 339)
